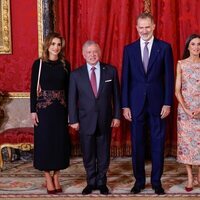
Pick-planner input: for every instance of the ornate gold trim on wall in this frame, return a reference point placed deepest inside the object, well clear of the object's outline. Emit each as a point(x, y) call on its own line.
point(19, 95)
point(40, 27)
point(147, 6)
point(5, 30)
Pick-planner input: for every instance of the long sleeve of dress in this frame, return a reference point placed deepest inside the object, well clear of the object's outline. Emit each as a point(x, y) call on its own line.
point(68, 70)
point(33, 91)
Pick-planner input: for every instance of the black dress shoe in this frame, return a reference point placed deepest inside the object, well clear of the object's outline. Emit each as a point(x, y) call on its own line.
point(104, 190)
point(159, 190)
point(87, 190)
point(136, 189)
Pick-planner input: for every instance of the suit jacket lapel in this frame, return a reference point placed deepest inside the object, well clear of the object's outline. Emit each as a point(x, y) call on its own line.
point(154, 53)
point(139, 57)
point(86, 80)
point(102, 78)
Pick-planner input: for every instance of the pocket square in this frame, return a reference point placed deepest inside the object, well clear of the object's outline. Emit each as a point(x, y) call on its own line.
point(108, 80)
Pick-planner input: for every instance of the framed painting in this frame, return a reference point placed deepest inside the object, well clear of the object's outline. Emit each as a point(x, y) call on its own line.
point(5, 28)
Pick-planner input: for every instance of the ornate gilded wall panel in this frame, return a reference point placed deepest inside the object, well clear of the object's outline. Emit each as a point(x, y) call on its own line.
point(5, 28)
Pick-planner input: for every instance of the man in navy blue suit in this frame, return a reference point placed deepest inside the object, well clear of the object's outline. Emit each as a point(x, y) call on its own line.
point(94, 108)
point(147, 95)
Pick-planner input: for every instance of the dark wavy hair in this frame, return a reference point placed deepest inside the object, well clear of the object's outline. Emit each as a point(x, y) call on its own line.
point(186, 52)
point(47, 43)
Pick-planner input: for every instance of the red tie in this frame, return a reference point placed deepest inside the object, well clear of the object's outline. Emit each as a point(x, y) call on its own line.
point(93, 81)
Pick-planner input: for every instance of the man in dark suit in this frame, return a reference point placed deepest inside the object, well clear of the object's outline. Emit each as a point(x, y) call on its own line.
point(94, 108)
point(147, 95)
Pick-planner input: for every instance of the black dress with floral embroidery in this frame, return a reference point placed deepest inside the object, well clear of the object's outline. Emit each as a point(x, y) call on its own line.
point(51, 137)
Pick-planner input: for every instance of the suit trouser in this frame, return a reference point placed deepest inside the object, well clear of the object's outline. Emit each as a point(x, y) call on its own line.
point(157, 141)
point(96, 156)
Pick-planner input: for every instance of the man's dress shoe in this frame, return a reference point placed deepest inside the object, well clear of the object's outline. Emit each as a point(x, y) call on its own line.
point(87, 190)
point(159, 190)
point(136, 189)
point(104, 190)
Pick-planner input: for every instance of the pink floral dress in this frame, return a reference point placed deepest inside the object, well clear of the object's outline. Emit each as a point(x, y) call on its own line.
point(188, 140)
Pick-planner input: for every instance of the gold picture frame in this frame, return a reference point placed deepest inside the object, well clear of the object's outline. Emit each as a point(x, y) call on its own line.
point(5, 27)
point(40, 26)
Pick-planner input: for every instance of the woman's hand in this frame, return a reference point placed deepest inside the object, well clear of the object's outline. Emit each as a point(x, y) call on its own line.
point(35, 120)
point(189, 112)
point(196, 113)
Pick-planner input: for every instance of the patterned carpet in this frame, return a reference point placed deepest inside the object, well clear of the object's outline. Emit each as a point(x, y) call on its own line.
point(20, 180)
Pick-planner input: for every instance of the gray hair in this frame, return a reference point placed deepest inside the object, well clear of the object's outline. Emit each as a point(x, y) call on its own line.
point(89, 43)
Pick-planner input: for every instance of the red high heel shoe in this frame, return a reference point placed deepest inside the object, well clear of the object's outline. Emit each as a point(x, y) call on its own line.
point(57, 190)
point(188, 189)
point(51, 191)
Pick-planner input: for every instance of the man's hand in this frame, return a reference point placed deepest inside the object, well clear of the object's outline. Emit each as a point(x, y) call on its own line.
point(75, 126)
point(165, 111)
point(34, 117)
point(127, 114)
point(115, 123)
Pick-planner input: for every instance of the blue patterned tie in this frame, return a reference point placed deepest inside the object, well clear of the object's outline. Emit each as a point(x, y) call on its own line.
point(145, 57)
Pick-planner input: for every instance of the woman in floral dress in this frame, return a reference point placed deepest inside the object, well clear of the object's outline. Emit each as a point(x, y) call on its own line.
point(188, 96)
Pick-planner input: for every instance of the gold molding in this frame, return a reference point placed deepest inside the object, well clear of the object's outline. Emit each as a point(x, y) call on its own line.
point(22, 146)
point(5, 33)
point(147, 6)
point(19, 95)
point(40, 26)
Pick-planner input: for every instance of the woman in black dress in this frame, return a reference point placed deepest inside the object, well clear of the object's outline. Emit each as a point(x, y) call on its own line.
point(49, 112)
